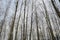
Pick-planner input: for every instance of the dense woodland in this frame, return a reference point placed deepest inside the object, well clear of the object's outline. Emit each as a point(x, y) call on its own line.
point(29, 19)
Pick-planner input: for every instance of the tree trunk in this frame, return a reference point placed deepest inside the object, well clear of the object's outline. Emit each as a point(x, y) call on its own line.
point(29, 19)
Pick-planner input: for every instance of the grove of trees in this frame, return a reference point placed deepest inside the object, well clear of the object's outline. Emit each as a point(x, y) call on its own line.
point(29, 19)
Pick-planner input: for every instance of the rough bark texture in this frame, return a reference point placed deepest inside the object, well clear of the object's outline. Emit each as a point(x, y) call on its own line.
point(29, 19)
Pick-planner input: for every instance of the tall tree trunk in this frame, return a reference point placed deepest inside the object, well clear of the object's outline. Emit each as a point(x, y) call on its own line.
point(29, 19)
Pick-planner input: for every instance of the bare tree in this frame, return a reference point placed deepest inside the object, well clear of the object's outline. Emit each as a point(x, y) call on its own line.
point(29, 19)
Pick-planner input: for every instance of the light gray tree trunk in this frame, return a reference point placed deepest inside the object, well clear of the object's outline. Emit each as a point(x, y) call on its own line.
point(29, 19)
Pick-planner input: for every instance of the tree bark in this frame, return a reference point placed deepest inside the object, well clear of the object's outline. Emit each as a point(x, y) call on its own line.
point(29, 19)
